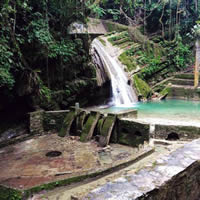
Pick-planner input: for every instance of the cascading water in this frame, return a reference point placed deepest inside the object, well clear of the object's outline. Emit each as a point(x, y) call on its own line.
point(122, 92)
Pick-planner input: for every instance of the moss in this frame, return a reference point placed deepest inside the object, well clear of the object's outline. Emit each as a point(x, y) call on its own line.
point(185, 76)
point(142, 87)
point(112, 26)
point(87, 127)
point(102, 41)
point(110, 33)
point(121, 41)
point(107, 124)
point(99, 125)
point(159, 88)
point(165, 91)
point(51, 186)
point(128, 61)
point(67, 124)
point(125, 45)
point(10, 194)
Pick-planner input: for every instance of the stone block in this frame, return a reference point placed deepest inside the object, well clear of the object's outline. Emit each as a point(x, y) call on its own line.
point(133, 133)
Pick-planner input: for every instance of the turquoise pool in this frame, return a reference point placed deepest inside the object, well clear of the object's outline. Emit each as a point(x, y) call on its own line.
point(173, 110)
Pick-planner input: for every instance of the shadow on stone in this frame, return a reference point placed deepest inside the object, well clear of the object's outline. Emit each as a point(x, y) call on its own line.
point(173, 136)
point(53, 153)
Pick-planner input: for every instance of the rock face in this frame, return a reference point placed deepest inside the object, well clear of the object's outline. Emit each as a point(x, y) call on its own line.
point(53, 120)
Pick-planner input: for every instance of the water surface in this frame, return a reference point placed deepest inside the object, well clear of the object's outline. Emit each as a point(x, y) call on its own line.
point(167, 110)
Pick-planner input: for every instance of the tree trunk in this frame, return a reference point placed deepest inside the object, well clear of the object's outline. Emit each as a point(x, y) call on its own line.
point(197, 63)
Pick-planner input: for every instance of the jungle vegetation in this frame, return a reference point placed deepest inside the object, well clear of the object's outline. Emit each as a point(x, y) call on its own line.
point(44, 66)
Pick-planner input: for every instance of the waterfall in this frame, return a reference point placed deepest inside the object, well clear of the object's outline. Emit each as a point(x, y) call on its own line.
point(122, 92)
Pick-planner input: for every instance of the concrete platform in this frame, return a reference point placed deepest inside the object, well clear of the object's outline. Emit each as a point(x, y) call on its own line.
point(25, 165)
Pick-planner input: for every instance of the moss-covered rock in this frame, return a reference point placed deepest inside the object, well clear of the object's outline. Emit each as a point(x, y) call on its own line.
point(142, 87)
point(113, 26)
point(106, 130)
point(89, 126)
point(166, 91)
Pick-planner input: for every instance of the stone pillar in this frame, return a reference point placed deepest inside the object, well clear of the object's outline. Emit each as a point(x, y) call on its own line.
point(197, 63)
point(36, 122)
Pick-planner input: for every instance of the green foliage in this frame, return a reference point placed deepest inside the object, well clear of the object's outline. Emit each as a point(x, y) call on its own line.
point(34, 36)
point(6, 63)
point(119, 36)
point(45, 92)
point(96, 10)
point(165, 91)
point(178, 56)
point(128, 61)
point(11, 194)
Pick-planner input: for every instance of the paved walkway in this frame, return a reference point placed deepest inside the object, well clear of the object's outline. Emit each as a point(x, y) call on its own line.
point(133, 186)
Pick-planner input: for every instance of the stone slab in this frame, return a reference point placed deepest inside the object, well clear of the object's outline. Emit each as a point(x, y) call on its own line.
point(106, 130)
point(65, 130)
point(89, 126)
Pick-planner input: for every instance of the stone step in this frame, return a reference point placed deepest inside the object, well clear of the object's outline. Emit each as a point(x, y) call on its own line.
point(184, 76)
point(178, 81)
point(183, 92)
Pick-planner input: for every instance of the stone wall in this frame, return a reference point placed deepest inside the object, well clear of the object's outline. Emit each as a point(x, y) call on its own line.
point(36, 122)
point(132, 133)
point(185, 93)
point(53, 120)
point(183, 132)
point(183, 186)
point(42, 121)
